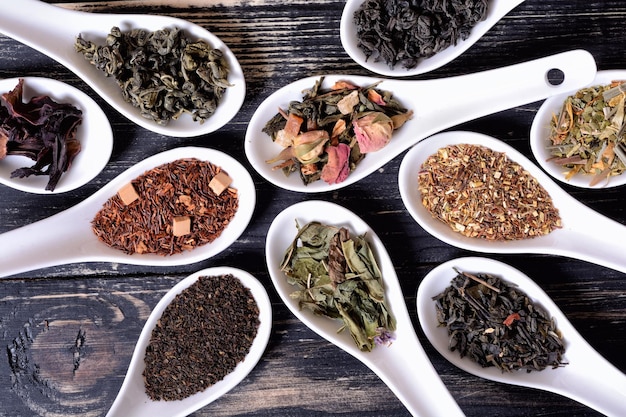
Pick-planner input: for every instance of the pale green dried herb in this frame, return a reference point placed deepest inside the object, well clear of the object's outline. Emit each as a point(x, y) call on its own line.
point(586, 134)
point(339, 278)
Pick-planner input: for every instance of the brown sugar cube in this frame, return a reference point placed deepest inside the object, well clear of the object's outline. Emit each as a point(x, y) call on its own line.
point(181, 226)
point(220, 182)
point(128, 194)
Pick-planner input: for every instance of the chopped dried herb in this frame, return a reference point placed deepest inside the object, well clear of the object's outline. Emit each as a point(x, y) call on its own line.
point(200, 338)
point(339, 278)
point(162, 73)
point(329, 132)
point(42, 130)
point(585, 136)
point(483, 194)
point(402, 32)
point(494, 323)
point(176, 189)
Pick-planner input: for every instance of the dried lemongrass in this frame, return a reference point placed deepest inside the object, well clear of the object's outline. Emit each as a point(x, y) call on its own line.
point(585, 135)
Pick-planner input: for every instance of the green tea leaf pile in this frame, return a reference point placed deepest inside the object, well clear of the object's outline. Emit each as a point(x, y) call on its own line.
point(339, 278)
point(162, 73)
point(494, 323)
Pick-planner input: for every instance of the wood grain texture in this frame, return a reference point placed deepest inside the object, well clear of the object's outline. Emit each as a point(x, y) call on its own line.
point(68, 332)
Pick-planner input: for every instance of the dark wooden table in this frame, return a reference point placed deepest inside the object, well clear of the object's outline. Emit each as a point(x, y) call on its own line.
point(68, 332)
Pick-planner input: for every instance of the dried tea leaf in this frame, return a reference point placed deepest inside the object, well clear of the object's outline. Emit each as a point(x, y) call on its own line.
point(402, 32)
point(354, 294)
point(163, 73)
point(585, 135)
point(331, 140)
point(42, 130)
point(494, 323)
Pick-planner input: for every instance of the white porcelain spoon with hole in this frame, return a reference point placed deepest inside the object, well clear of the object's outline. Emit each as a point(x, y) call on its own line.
point(132, 399)
point(67, 237)
point(587, 378)
point(94, 133)
point(349, 39)
point(437, 104)
point(403, 365)
point(52, 30)
point(585, 234)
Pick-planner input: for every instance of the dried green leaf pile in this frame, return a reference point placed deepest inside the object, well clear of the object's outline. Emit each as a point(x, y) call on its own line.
point(339, 278)
point(162, 73)
point(494, 323)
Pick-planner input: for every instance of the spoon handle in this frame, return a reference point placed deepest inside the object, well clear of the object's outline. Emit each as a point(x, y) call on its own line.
point(590, 236)
point(415, 381)
point(447, 102)
point(46, 24)
point(593, 381)
point(56, 240)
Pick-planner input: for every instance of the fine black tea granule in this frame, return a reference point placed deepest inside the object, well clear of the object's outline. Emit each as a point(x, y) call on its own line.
point(494, 323)
point(200, 338)
point(400, 32)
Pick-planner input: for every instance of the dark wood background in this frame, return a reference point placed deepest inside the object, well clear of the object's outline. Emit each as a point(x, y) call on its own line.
point(93, 313)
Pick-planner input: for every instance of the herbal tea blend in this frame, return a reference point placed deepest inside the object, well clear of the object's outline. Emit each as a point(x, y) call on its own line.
point(150, 214)
point(339, 278)
point(481, 193)
point(585, 135)
point(200, 338)
point(402, 32)
point(494, 323)
point(42, 130)
point(163, 73)
point(327, 134)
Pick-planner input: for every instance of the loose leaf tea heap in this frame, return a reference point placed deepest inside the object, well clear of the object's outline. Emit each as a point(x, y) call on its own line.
point(339, 278)
point(145, 215)
point(494, 323)
point(585, 135)
point(200, 338)
point(162, 73)
point(327, 134)
point(42, 130)
point(402, 32)
point(483, 194)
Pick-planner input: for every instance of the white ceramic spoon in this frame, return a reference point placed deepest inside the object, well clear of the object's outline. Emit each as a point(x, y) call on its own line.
point(540, 132)
point(403, 365)
point(94, 133)
point(132, 399)
point(349, 39)
point(52, 30)
point(585, 235)
point(437, 105)
point(66, 237)
point(588, 378)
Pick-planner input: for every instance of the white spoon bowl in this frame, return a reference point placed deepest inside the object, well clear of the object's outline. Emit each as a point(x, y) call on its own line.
point(94, 133)
point(349, 39)
point(585, 234)
point(132, 399)
point(437, 105)
point(67, 237)
point(52, 30)
point(587, 378)
point(403, 365)
point(540, 133)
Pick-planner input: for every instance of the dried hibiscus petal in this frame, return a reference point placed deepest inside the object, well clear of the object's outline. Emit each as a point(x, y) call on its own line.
point(40, 129)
